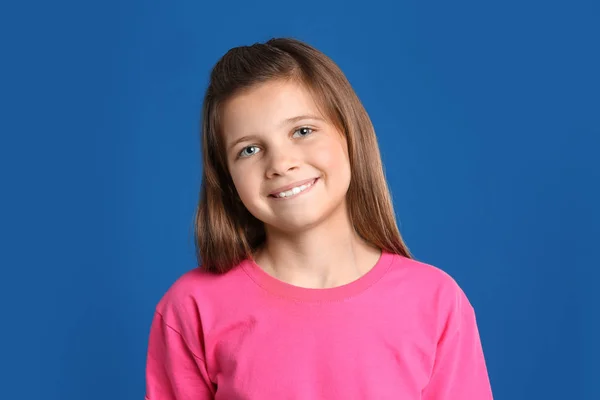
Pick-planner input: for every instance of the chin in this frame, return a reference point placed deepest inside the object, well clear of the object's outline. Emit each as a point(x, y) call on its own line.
point(302, 221)
point(294, 223)
point(299, 217)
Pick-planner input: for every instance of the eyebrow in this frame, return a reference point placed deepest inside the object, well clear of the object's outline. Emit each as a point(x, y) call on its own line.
point(300, 118)
point(285, 122)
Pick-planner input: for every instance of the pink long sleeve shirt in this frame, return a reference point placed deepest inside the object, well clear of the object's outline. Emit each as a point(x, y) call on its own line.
point(405, 330)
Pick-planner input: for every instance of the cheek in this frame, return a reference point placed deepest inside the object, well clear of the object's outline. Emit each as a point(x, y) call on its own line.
point(332, 157)
point(243, 183)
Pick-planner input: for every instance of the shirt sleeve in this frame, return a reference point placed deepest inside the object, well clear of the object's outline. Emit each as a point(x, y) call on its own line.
point(459, 370)
point(173, 371)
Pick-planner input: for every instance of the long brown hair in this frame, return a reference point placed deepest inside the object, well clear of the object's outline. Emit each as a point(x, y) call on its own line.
point(225, 231)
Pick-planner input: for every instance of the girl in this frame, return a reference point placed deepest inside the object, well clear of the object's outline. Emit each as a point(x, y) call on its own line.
point(306, 290)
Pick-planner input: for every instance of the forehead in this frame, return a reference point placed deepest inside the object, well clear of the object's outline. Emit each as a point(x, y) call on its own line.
point(263, 107)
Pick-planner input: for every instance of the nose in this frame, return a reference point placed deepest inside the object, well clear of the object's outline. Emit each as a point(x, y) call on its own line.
point(281, 163)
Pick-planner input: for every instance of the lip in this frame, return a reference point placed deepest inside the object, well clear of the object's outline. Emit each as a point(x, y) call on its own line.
point(276, 192)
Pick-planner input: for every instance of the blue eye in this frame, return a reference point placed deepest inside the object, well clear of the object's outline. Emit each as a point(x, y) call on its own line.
point(304, 131)
point(244, 153)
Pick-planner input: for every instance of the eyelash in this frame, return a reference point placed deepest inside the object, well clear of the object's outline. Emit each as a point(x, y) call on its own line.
point(240, 155)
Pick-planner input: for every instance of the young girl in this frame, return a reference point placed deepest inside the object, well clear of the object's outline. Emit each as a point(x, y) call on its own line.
point(306, 289)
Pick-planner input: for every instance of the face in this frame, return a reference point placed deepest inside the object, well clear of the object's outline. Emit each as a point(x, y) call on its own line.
point(289, 164)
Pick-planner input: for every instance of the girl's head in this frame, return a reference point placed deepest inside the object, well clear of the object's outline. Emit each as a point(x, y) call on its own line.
point(279, 114)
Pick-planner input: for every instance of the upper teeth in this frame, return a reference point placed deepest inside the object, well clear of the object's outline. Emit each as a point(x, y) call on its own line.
point(295, 190)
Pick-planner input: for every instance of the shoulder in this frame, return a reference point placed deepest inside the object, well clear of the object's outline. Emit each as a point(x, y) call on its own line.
point(432, 293)
point(184, 289)
point(421, 273)
point(196, 292)
point(428, 282)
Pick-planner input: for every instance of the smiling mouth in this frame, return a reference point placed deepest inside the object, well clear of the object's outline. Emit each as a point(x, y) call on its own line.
point(294, 192)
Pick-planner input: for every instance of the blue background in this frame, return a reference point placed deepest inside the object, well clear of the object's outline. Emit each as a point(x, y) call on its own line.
point(488, 120)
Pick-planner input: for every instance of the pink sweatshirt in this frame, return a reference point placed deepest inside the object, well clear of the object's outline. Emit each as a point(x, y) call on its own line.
point(405, 330)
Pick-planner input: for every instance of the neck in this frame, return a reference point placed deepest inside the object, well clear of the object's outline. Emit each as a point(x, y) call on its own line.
point(328, 255)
